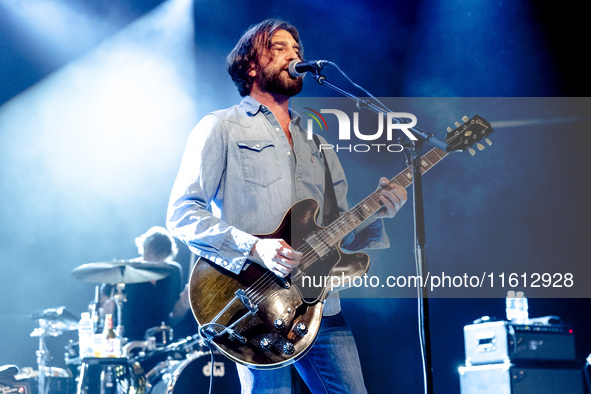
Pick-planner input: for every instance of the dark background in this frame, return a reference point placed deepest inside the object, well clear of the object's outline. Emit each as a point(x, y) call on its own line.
point(98, 98)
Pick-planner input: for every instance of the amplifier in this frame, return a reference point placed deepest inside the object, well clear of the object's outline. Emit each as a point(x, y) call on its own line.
point(505, 378)
point(10, 385)
point(498, 342)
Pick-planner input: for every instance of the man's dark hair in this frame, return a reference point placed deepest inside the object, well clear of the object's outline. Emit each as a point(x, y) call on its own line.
point(247, 51)
point(157, 242)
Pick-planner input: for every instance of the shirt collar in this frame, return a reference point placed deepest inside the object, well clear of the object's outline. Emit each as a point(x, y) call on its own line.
point(252, 107)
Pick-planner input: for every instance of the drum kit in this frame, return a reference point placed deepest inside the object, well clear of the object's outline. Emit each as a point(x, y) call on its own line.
point(157, 365)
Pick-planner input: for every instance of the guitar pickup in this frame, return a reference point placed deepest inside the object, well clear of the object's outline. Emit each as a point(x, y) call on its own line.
point(252, 308)
point(318, 245)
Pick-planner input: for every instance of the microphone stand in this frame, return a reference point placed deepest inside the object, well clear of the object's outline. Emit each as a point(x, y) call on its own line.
point(414, 148)
point(365, 104)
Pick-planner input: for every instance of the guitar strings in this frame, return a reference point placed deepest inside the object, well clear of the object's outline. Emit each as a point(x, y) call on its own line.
point(267, 280)
point(309, 256)
point(258, 290)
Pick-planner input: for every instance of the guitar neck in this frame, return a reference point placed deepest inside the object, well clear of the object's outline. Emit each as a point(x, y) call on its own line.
point(461, 138)
point(349, 221)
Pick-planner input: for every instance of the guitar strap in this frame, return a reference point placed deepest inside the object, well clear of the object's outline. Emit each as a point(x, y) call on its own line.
point(331, 209)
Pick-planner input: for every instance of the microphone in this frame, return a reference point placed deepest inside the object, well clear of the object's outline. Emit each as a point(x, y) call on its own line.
point(297, 68)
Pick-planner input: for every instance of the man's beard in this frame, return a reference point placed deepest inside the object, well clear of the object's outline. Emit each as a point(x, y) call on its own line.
point(272, 82)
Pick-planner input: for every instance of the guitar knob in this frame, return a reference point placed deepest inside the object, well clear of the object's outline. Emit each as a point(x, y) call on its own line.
point(288, 348)
point(279, 324)
point(302, 329)
point(265, 343)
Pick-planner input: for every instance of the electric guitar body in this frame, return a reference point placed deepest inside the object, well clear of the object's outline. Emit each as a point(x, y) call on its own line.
point(288, 311)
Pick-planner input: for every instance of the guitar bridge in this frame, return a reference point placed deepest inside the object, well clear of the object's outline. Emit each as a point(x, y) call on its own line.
point(252, 308)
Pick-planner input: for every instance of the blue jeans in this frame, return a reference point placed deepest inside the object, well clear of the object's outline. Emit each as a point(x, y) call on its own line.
point(331, 366)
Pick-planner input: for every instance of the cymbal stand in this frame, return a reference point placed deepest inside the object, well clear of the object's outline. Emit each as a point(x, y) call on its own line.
point(94, 308)
point(42, 360)
point(46, 328)
point(119, 298)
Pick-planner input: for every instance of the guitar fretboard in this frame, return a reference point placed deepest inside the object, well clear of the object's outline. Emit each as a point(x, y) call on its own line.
point(461, 138)
point(349, 221)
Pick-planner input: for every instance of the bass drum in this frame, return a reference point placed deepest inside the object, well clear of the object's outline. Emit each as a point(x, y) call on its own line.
point(192, 376)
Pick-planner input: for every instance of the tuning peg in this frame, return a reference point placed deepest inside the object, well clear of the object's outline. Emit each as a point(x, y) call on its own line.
point(489, 142)
point(449, 129)
point(480, 146)
point(472, 151)
point(457, 124)
point(465, 118)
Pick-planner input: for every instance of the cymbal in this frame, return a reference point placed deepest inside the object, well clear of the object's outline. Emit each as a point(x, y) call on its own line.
point(122, 271)
point(59, 319)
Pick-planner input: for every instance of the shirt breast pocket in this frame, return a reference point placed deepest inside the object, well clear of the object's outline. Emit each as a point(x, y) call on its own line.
point(258, 160)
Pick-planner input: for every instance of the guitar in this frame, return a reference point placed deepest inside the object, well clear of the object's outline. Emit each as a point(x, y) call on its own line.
point(262, 321)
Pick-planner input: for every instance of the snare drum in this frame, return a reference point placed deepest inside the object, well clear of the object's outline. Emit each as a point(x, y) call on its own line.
point(152, 359)
point(178, 351)
point(163, 335)
point(192, 375)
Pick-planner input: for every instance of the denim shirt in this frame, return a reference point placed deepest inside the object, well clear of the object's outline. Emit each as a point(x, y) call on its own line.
point(239, 176)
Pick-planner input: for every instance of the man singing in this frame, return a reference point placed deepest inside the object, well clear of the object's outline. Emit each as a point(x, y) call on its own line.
point(243, 168)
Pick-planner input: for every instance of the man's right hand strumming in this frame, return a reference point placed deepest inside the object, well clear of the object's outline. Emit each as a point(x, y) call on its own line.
point(276, 255)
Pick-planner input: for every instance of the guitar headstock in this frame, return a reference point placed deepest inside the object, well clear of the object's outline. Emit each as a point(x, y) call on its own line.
point(471, 132)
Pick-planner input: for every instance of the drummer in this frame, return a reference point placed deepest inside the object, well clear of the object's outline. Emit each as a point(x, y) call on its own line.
point(148, 304)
